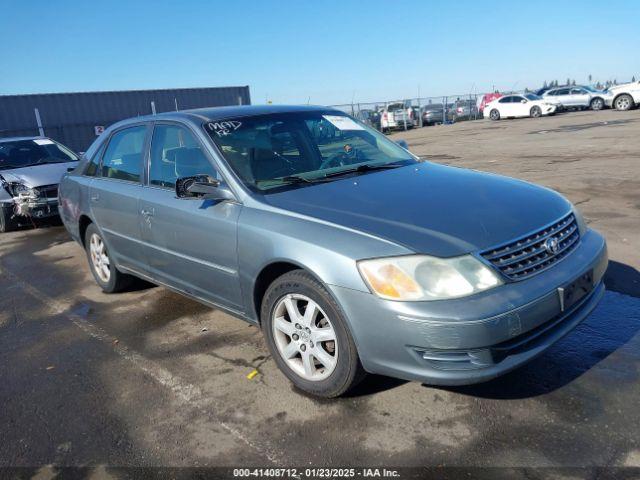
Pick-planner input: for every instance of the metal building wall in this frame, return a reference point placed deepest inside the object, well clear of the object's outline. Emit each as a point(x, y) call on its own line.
point(71, 117)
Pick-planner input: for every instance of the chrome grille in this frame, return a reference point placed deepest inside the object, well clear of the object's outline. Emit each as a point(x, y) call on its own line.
point(47, 191)
point(529, 255)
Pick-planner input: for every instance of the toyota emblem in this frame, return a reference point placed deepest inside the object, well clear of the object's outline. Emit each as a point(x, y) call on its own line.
point(552, 245)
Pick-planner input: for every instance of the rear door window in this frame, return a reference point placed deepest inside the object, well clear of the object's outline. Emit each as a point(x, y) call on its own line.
point(122, 159)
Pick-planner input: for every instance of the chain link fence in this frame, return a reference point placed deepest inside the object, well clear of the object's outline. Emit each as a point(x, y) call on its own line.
point(411, 113)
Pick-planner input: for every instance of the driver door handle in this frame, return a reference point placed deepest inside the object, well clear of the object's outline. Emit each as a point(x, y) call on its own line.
point(147, 213)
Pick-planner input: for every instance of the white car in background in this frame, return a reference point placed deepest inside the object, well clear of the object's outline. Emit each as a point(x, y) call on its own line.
point(516, 105)
point(625, 96)
point(396, 116)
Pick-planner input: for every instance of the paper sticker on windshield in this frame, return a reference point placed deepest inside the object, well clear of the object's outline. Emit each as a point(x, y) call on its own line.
point(342, 123)
point(225, 127)
point(43, 141)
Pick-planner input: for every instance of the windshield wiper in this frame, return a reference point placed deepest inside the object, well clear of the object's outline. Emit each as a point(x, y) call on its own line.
point(288, 179)
point(363, 168)
point(294, 179)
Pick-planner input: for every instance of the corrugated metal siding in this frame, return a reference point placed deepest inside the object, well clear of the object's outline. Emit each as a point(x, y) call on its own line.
point(70, 117)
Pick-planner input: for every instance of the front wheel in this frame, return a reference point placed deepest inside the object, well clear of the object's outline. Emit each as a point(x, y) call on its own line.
point(597, 104)
point(623, 102)
point(494, 114)
point(308, 336)
point(535, 112)
point(101, 264)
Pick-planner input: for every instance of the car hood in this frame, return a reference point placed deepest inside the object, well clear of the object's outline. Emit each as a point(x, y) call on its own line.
point(37, 175)
point(429, 208)
point(624, 86)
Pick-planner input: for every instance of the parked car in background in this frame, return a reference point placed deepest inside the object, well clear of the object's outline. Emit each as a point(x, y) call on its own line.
point(395, 116)
point(370, 117)
point(436, 113)
point(451, 277)
point(625, 96)
point(540, 92)
point(464, 110)
point(578, 97)
point(515, 106)
point(30, 170)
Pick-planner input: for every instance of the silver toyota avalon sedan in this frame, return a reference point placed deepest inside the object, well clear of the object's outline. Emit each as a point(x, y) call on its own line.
point(351, 254)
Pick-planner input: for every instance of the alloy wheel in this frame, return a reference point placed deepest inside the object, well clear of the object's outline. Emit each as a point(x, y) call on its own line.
point(623, 103)
point(305, 337)
point(99, 258)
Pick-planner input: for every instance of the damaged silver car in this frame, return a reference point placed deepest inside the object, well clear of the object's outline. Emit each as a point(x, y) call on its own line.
point(30, 170)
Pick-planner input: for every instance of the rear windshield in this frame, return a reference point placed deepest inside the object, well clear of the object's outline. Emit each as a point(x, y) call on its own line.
point(270, 151)
point(26, 153)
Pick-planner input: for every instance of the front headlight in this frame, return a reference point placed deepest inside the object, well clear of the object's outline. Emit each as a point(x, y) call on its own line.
point(582, 225)
point(18, 188)
point(421, 277)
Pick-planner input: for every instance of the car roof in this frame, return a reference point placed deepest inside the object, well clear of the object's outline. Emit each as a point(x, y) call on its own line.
point(211, 114)
point(564, 86)
point(16, 139)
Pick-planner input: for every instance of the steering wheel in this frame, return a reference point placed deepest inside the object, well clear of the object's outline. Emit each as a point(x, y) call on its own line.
point(337, 160)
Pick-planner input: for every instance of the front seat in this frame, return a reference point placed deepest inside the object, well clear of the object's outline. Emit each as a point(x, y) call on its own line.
point(263, 160)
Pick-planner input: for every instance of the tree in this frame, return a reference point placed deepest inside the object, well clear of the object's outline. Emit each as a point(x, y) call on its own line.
point(568, 81)
point(545, 84)
point(590, 79)
point(633, 79)
point(573, 82)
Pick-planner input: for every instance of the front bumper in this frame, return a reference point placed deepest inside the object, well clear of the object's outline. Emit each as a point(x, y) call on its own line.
point(21, 209)
point(475, 339)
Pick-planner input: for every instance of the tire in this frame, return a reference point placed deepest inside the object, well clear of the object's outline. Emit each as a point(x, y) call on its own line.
point(7, 224)
point(596, 104)
point(623, 102)
point(110, 279)
point(337, 367)
point(494, 114)
point(535, 112)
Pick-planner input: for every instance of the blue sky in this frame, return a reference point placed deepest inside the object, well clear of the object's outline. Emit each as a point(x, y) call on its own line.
point(327, 52)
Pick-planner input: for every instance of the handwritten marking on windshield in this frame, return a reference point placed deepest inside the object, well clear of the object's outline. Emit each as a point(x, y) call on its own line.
point(225, 127)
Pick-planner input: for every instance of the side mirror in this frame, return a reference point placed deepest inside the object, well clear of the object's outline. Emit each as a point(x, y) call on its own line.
point(203, 187)
point(403, 144)
point(523, 101)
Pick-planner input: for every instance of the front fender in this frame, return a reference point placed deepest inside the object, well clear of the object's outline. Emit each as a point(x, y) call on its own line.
point(327, 251)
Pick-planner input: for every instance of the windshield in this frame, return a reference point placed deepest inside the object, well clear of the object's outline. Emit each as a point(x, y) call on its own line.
point(532, 96)
point(276, 150)
point(591, 89)
point(26, 153)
